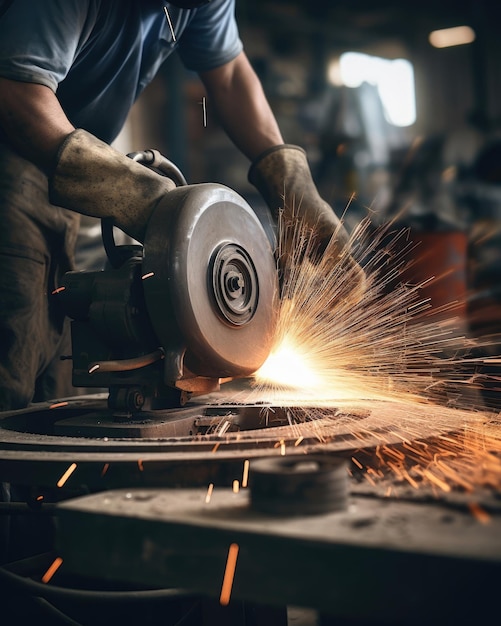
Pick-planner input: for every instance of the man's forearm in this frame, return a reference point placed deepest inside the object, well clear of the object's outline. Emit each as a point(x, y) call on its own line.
point(241, 106)
point(33, 121)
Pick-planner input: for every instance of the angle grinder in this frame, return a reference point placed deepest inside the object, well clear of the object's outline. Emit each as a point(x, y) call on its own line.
point(194, 304)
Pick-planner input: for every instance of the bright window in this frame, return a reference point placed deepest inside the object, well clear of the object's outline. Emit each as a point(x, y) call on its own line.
point(393, 78)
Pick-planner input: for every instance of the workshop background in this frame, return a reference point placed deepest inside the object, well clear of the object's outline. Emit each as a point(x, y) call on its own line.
point(400, 129)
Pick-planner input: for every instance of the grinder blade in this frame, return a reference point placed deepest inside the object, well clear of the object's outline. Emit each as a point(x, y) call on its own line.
point(213, 282)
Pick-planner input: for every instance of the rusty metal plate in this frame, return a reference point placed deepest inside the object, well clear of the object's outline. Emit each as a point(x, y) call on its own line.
point(381, 560)
point(194, 445)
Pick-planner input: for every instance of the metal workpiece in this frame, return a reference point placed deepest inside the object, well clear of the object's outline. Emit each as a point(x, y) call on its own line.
point(380, 560)
point(205, 441)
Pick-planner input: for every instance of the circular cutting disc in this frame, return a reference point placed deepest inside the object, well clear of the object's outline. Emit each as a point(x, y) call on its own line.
point(212, 280)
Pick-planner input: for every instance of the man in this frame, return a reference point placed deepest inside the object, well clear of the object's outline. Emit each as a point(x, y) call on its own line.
point(69, 74)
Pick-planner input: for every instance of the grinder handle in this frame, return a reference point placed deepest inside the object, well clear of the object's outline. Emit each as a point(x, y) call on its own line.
point(158, 162)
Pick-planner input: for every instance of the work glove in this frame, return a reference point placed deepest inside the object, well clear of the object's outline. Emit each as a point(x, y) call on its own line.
point(283, 177)
point(94, 179)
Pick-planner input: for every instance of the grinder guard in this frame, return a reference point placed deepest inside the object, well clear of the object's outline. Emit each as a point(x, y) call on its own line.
point(216, 273)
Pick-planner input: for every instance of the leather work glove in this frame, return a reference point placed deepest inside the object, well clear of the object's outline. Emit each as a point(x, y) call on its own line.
point(94, 179)
point(283, 177)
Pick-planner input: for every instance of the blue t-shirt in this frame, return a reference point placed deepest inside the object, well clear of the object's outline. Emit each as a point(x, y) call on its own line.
point(98, 55)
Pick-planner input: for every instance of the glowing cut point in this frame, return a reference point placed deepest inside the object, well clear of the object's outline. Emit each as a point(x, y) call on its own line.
point(288, 366)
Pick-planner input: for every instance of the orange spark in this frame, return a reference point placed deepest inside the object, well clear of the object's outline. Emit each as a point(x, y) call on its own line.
point(245, 475)
point(222, 428)
point(409, 479)
point(454, 476)
point(210, 489)
point(435, 480)
point(236, 486)
point(369, 479)
point(105, 469)
point(280, 444)
point(66, 475)
point(58, 405)
point(396, 469)
point(380, 345)
point(400, 456)
point(229, 574)
point(58, 290)
point(479, 513)
point(58, 561)
point(357, 463)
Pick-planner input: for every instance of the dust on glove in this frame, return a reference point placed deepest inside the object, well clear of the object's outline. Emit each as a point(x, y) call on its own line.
point(94, 179)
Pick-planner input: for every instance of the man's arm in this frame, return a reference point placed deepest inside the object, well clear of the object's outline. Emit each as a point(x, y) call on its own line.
point(241, 106)
point(85, 174)
point(279, 171)
point(33, 121)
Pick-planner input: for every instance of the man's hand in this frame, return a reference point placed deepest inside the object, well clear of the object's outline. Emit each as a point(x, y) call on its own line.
point(283, 177)
point(93, 178)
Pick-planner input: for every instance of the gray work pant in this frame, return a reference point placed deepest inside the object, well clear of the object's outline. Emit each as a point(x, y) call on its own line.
point(37, 242)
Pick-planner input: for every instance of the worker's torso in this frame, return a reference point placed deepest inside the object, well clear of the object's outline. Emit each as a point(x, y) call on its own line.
point(100, 54)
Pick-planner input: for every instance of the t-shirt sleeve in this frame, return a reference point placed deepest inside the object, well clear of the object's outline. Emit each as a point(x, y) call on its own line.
point(211, 38)
point(39, 40)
